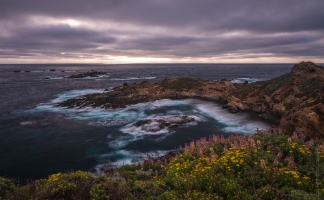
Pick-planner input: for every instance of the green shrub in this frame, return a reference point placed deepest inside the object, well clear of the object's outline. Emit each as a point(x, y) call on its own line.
point(6, 188)
point(182, 83)
point(98, 192)
point(309, 85)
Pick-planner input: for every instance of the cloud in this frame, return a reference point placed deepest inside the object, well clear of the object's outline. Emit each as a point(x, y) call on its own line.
point(160, 29)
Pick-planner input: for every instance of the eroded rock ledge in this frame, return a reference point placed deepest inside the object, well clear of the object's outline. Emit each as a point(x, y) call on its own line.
point(176, 88)
point(297, 97)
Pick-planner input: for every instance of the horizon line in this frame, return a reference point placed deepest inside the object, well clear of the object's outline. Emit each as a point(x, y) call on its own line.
point(144, 63)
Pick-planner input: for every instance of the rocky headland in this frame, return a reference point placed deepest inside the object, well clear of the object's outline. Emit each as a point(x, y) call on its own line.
point(176, 88)
point(296, 97)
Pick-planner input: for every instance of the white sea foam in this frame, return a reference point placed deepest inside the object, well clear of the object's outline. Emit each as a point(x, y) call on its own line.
point(124, 157)
point(133, 78)
point(242, 80)
point(75, 93)
point(153, 127)
point(101, 76)
point(234, 123)
point(53, 77)
point(27, 123)
point(126, 117)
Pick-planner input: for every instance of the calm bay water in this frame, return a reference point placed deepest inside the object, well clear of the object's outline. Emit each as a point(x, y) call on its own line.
point(38, 139)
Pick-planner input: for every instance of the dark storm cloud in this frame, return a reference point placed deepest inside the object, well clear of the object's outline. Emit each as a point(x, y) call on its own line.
point(157, 43)
point(245, 14)
point(161, 28)
point(52, 39)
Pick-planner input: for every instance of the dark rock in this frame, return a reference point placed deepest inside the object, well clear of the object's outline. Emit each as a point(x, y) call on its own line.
point(52, 70)
point(27, 71)
point(233, 109)
point(159, 123)
point(142, 122)
point(263, 116)
point(91, 73)
point(125, 84)
point(16, 71)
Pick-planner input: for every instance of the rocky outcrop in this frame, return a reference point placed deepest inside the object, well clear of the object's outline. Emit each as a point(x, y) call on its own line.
point(158, 123)
point(145, 91)
point(296, 97)
point(91, 73)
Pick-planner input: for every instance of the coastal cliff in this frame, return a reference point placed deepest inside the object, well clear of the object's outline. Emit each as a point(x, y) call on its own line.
point(296, 97)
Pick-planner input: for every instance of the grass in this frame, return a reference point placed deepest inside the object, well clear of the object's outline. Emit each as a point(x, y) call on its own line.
point(309, 84)
point(276, 83)
point(265, 165)
point(243, 90)
point(269, 87)
point(182, 83)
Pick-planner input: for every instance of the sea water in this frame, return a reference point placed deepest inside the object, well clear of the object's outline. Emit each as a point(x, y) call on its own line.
point(37, 138)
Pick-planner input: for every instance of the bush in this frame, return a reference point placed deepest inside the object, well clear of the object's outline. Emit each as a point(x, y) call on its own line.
point(98, 192)
point(266, 165)
point(6, 188)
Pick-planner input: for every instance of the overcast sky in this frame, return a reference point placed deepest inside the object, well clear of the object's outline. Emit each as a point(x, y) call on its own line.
point(169, 31)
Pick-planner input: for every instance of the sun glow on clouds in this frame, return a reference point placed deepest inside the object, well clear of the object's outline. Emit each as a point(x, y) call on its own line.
point(41, 20)
point(127, 59)
point(82, 38)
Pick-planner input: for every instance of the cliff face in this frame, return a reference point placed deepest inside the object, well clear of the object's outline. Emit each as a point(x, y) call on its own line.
point(296, 97)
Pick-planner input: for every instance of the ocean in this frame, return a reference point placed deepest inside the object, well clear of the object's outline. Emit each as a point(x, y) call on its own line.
point(38, 138)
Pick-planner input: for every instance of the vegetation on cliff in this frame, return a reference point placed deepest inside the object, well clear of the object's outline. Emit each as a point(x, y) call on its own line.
point(265, 165)
point(296, 97)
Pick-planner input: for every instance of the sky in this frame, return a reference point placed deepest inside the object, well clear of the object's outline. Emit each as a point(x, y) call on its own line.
point(161, 31)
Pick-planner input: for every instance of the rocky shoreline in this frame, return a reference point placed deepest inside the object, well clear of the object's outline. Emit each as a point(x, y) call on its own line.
point(296, 97)
point(176, 88)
